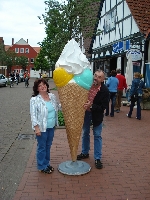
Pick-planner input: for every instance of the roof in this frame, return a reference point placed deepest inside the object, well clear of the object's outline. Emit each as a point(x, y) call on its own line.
point(22, 42)
point(7, 47)
point(140, 10)
point(37, 49)
point(94, 7)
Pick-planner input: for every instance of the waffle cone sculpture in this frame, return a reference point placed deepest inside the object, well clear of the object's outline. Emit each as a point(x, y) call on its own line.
point(73, 79)
point(72, 98)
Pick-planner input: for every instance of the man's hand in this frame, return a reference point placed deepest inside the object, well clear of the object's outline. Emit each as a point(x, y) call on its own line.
point(87, 105)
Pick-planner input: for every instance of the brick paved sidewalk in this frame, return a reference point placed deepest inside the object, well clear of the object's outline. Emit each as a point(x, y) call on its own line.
point(126, 172)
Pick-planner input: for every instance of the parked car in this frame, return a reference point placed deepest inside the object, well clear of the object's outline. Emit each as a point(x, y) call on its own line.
point(3, 80)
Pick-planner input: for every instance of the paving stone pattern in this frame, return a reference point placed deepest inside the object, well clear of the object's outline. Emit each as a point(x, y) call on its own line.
point(126, 150)
point(14, 120)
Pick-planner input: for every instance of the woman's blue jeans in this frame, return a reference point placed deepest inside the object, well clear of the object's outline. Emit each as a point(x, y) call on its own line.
point(86, 137)
point(138, 111)
point(44, 143)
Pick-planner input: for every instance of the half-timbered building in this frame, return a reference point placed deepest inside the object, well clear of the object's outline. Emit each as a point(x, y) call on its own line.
point(124, 26)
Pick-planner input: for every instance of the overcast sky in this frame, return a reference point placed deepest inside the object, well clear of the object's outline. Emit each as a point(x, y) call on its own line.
point(18, 19)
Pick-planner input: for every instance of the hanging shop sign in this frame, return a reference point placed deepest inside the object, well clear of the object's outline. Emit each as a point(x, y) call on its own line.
point(136, 64)
point(135, 54)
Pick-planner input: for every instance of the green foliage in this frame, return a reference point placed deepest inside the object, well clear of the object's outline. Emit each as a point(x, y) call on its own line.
point(53, 88)
point(64, 21)
point(9, 61)
point(41, 62)
point(61, 118)
point(2, 54)
point(22, 61)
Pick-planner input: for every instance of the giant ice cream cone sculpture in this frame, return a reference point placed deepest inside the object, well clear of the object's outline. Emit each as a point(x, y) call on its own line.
point(73, 79)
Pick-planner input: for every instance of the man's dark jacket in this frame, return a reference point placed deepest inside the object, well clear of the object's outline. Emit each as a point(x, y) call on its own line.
point(100, 103)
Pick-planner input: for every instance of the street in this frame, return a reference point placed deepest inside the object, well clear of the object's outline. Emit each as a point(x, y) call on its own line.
point(14, 151)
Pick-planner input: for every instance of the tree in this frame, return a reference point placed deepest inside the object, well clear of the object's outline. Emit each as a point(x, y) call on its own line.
point(22, 61)
point(2, 54)
point(41, 62)
point(10, 59)
point(64, 21)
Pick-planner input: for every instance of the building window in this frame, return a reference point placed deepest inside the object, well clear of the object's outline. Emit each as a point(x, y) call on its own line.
point(110, 20)
point(32, 60)
point(16, 50)
point(27, 50)
point(21, 50)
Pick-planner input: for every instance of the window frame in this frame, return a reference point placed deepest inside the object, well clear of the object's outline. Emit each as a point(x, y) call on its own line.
point(21, 50)
point(31, 60)
point(16, 50)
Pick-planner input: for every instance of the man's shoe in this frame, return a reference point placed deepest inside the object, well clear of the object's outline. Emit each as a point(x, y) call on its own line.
point(128, 115)
point(112, 115)
point(138, 118)
point(82, 156)
point(46, 171)
point(98, 164)
point(50, 168)
point(117, 110)
point(106, 114)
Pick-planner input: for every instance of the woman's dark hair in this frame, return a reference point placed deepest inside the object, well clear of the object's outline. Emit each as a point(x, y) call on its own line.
point(113, 73)
point(36, 84)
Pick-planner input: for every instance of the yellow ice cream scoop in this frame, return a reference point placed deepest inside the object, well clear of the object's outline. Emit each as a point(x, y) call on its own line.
point(61, 77)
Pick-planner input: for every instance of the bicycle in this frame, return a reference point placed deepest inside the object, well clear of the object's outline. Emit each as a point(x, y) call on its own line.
point(12, 82)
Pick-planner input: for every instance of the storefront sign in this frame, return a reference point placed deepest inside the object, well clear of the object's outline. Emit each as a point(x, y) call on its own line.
point(118, 47)
point(121, 46)
point(135, 54)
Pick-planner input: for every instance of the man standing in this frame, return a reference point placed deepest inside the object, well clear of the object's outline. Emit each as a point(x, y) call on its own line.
point(12, 76)
point(17, 76)
point(121, 86)
point(97, 102)
point(26, 77)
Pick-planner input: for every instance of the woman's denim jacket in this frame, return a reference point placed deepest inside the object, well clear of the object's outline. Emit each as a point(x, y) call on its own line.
point(136, 87)
point(39, 112)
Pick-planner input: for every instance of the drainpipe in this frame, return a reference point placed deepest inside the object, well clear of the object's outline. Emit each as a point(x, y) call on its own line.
point(145, 57)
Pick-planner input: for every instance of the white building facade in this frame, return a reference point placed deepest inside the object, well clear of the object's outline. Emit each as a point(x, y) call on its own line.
point(119, 33)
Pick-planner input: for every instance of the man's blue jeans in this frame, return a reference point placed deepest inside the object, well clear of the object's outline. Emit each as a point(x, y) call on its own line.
point(86, 137)
point(44, 143)
point(112, 97)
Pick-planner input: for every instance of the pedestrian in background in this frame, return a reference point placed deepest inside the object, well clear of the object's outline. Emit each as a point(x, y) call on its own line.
point(135, 95)
point(17, 76)
point(121, 86)
point(44, 76)
point(112, 84)
point(44, 117)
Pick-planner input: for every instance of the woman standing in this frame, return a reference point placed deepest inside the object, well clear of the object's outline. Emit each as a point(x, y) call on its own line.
point(136, 95)
point(43, 111)
point(112, 84)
